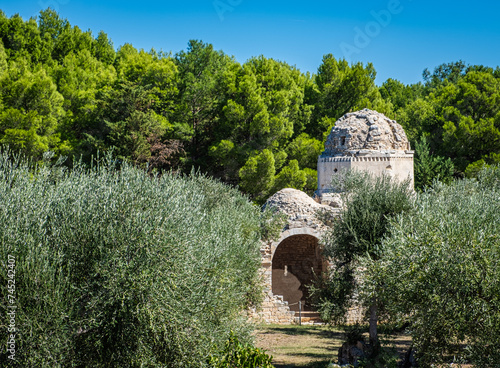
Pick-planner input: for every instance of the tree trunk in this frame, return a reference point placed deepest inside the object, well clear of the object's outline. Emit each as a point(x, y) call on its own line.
point(373, 325)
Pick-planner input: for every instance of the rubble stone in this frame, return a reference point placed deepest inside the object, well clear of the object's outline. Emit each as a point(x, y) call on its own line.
point(300, 208)
point(355, 131)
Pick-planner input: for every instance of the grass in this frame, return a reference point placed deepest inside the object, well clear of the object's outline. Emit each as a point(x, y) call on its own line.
point(299, 346)
point(307, 346)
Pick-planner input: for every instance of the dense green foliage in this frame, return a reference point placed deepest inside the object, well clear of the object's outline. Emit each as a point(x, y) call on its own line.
point(368, 205)
point(241, 355)
point(114, 268)
point(458, 111)
point(118, 266)
point(440, 272)
point(426, 260)
point(428, 167)
point(259, 125)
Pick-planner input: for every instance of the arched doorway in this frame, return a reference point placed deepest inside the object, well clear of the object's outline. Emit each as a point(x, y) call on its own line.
point(295, 263)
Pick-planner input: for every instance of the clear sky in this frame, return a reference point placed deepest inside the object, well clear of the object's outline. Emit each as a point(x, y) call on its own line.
point(400, 37)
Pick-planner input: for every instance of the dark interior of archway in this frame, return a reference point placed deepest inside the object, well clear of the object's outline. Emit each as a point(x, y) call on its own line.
point(296, 260)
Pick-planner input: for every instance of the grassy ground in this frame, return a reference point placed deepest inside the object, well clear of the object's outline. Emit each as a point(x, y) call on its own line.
point(307, 346)
point(299, 346)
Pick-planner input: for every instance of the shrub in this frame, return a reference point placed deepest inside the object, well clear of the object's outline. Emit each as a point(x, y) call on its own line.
point(237, 354)
point(118, 269)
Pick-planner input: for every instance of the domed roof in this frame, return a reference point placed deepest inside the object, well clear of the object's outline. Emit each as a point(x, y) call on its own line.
point(298, 206)
point(365, 130)
point(291, 201)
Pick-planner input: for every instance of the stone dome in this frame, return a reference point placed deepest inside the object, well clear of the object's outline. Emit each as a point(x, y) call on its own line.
point(293, 202)
point(367, 131)
point(298, 206)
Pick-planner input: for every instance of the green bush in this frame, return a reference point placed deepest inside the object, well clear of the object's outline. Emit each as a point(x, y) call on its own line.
point(237, 354)
point(117, 269)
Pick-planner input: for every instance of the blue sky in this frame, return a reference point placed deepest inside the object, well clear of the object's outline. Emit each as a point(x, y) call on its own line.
point(400, 37)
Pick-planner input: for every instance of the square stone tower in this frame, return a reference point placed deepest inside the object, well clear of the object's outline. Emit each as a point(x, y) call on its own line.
point(365, 140)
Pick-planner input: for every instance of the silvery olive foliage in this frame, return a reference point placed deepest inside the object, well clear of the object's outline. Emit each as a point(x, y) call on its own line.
point(369, 203)
point(115, 268)
point(440, 271)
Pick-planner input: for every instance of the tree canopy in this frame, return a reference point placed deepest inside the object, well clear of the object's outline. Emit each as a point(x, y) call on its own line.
point(369, 203)
point(71, 92)
point(115, 268)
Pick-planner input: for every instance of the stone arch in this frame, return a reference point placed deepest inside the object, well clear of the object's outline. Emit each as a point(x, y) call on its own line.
point(292, 232)
point(296, 258)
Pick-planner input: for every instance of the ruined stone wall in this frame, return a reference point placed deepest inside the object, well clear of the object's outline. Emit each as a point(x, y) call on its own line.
point(273, 308)
point(297, 248)
point(366, 130)
point(327, 168)
point(366, 141)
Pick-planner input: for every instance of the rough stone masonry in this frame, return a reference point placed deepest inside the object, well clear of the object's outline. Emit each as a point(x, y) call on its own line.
point(362, 140)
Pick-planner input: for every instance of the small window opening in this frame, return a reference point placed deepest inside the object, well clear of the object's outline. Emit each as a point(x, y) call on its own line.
point(342, 140)
point(335, 170)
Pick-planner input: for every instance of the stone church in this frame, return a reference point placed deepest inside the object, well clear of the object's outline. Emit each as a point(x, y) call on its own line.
point(362, 140)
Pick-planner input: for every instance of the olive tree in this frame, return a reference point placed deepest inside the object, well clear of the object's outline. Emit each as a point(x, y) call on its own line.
point(439, 271)
point(114, 268)
point(369, 202)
